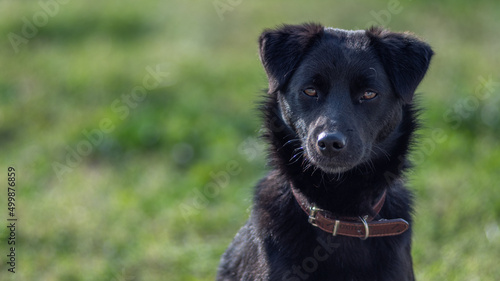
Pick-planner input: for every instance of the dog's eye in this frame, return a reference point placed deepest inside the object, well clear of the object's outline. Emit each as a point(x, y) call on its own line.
point(368, 95)
point(311, 92)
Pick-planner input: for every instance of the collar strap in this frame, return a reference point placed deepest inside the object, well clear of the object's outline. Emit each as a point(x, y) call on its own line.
point(361, 227)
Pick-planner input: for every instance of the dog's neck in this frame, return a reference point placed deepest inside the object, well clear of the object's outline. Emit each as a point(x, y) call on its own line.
point(349, 193)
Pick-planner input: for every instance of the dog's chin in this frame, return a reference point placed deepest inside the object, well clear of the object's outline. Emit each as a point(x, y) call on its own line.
point(336, 164)
point(331, 167)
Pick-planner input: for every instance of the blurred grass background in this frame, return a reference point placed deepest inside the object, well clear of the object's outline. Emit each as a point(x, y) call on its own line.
point(161, 193)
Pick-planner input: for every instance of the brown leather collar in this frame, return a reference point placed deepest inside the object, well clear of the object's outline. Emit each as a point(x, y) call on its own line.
point(361, 227)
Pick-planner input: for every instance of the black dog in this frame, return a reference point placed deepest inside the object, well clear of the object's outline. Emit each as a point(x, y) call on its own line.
point(340, 121)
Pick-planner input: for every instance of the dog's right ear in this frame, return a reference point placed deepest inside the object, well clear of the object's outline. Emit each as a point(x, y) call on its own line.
point(282, 49)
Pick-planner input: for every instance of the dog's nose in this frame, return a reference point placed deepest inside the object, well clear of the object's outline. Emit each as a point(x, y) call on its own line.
point(331, 142)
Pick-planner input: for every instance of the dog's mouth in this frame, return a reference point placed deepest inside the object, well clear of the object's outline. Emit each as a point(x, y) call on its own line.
point(330, 166)
point(333, 163)
point(333, 169)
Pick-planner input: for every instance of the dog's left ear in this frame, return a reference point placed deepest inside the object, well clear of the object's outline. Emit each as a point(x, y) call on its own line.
point(283, 48)
point(405, 59)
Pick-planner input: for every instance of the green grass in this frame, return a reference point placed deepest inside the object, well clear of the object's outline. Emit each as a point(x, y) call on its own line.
point(163, 192)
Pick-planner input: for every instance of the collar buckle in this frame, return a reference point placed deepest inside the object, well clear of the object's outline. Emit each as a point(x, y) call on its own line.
point(313, 210)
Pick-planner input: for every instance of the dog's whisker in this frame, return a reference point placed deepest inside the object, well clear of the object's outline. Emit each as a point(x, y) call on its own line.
point(369, 167)
point(289, 142)
point(383, 151)
point(307, 166)
point(314, 170)
point(296, 156)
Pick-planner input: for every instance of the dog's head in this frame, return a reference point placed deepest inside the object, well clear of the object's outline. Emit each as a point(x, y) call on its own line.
point(342, 92)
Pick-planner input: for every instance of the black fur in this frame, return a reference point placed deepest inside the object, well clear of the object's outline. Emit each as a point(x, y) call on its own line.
point(277, 242)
